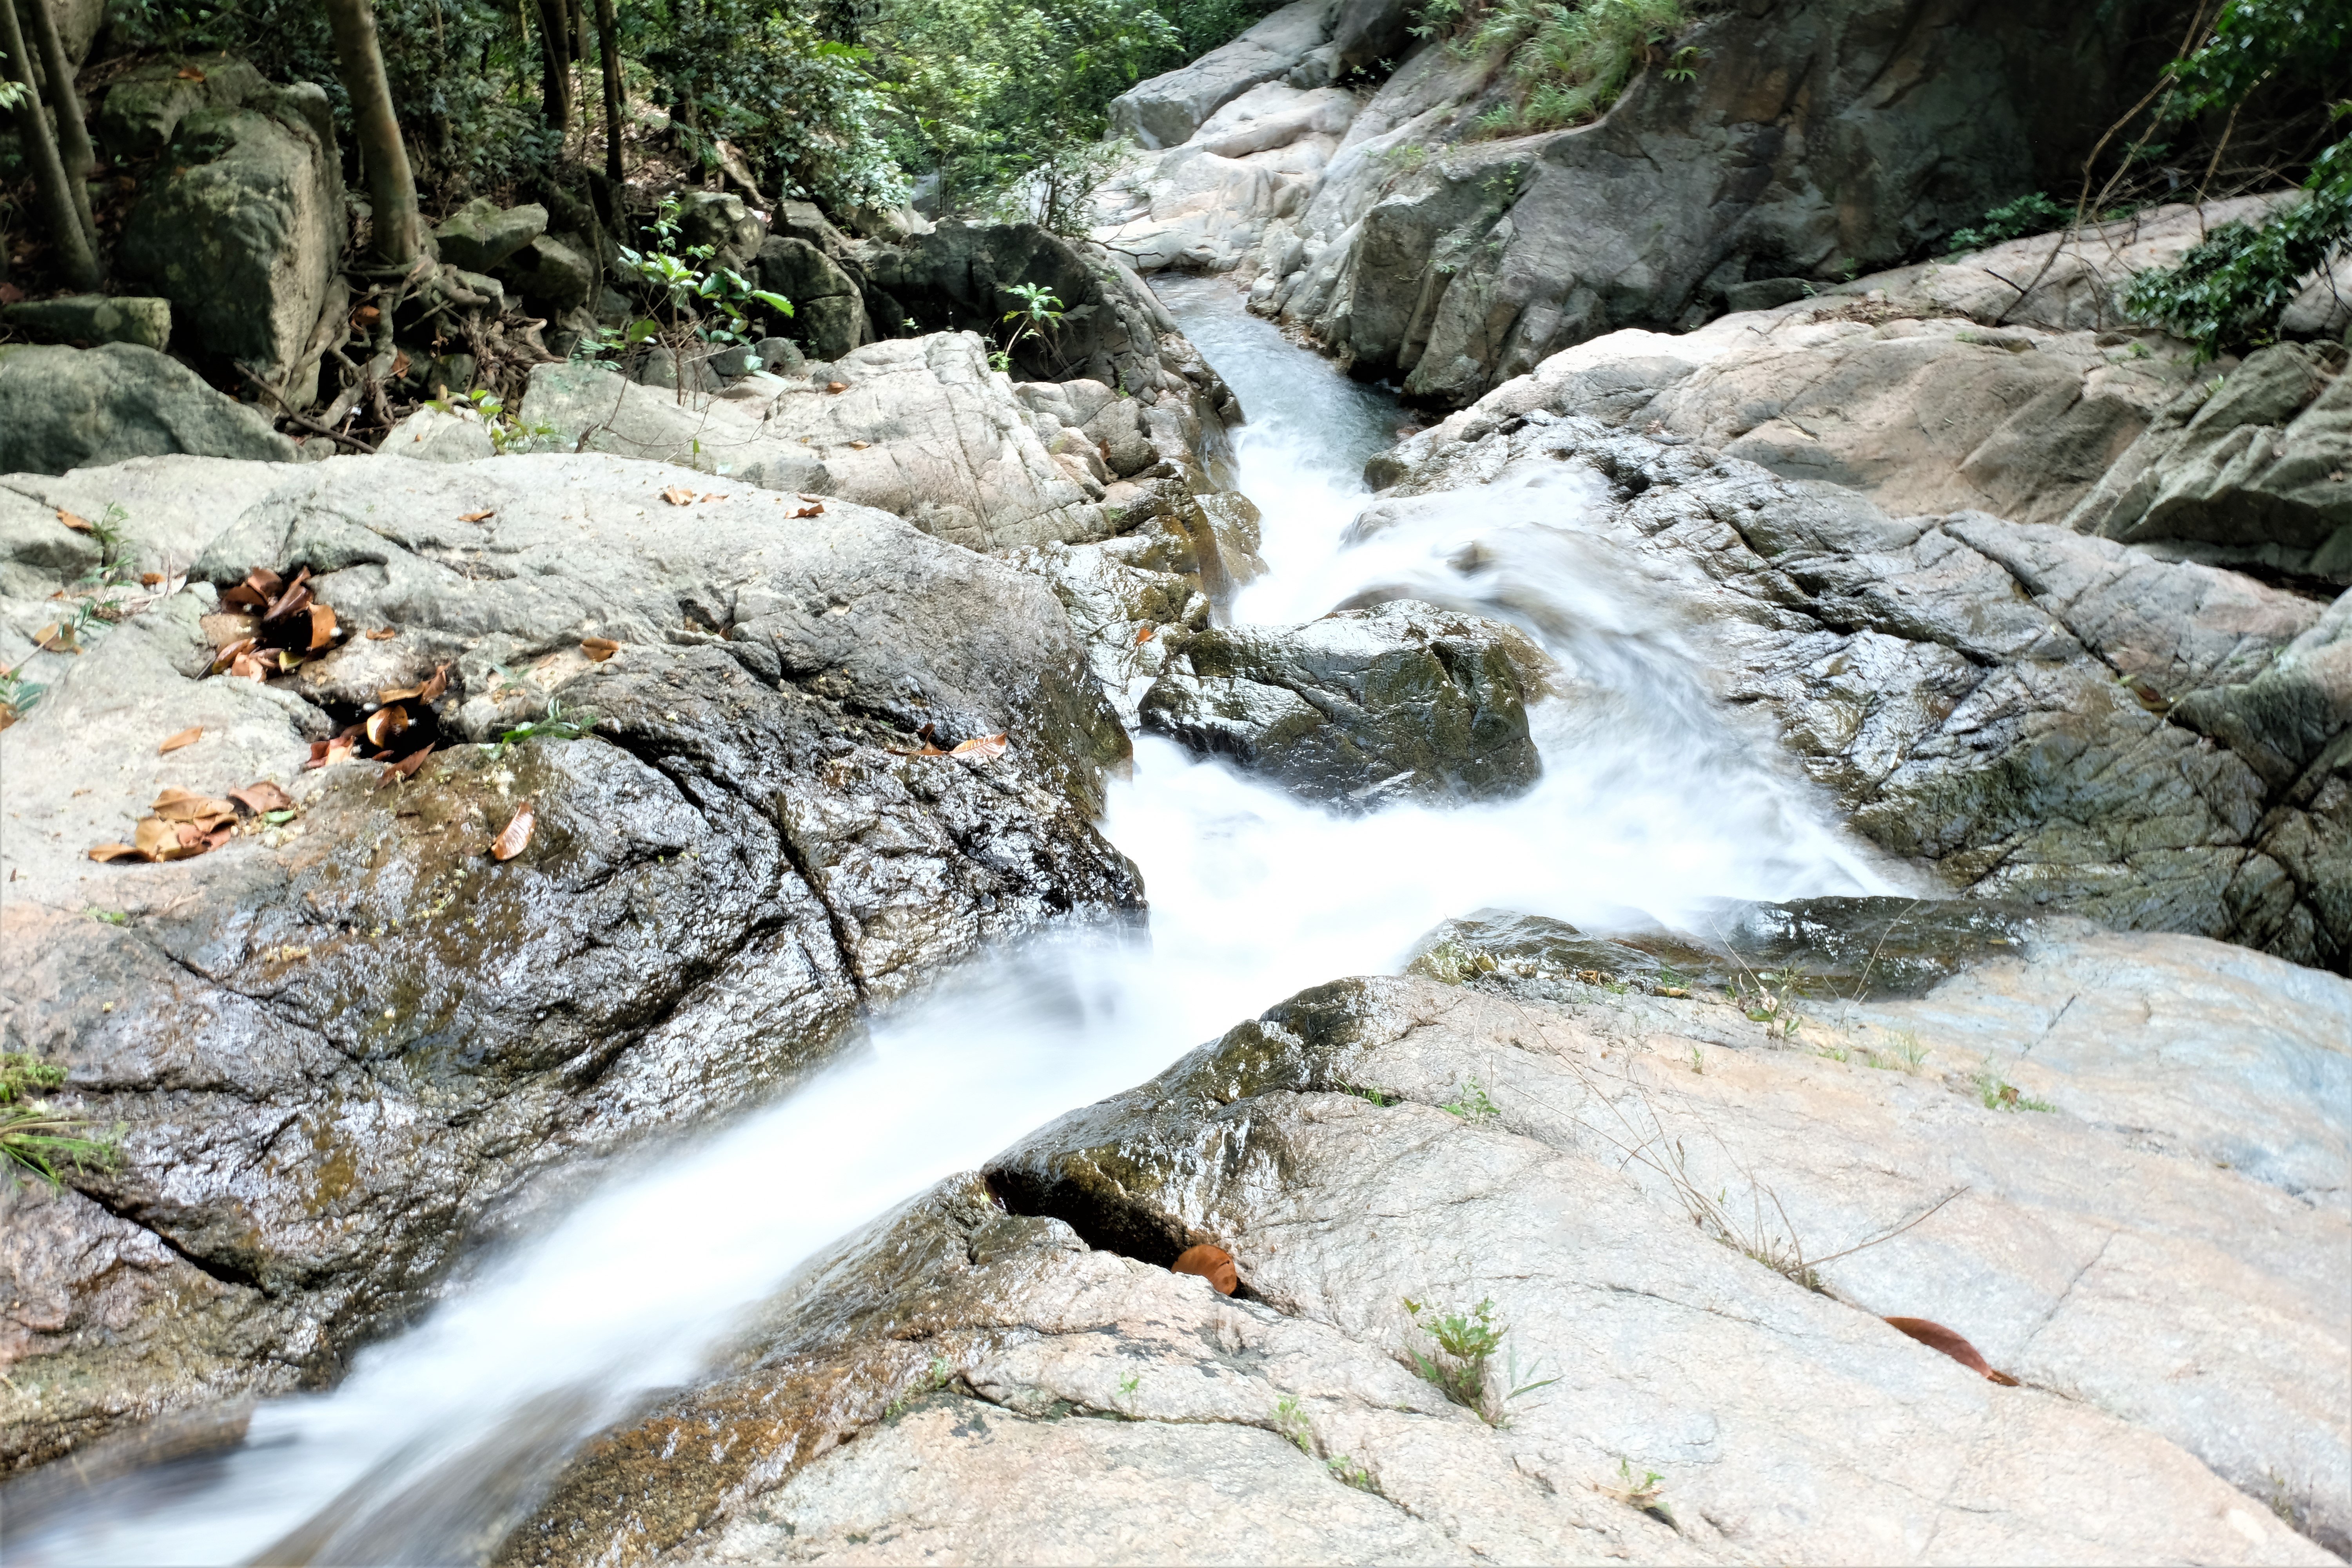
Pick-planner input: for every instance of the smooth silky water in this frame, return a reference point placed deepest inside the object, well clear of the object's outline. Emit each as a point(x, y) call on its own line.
point(1652, 806)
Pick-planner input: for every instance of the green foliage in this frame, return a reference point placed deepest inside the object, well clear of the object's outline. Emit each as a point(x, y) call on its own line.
point(1998, 1095)
point(1291, 1423)
point(1567, 62)
point(2036, 213)
point(1471, 1104)
point(2229, 292)
point(18, 695)
point(507, 433)
point(557, 725)
point(36, 1138)
point(1465, 1343)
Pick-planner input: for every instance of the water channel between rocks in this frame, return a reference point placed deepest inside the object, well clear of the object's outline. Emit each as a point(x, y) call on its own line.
point(1652, 804)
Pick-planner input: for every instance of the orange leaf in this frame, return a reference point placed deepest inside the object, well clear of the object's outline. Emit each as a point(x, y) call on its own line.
point(78, 524)
point(323, 627)
point(511, 842)
point(262, 796)
point(118, 852)
point(184, 738)
point(384, 723)
point(190, 73)
point(366, 316)
point(405, 768)
point(248, 666)
point(678, 495)
point(1143, 636)
point(1937, 1336)
point(599, 649)
point(814, 508)
point(984, 747)
point(150, 579)
point(436, 686)
point(382, 633)
point(836, 387)
point(1213, 1264)
point(713, 496)
point(177, 804)
point(483, 516)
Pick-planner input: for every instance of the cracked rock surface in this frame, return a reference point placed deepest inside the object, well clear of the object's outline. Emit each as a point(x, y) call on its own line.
point(2150, 1235)
point(342, 1050)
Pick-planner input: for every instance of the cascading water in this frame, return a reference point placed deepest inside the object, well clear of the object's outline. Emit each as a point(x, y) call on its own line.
point(1650, 806)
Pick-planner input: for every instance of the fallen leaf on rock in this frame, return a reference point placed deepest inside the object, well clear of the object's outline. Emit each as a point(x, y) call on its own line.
point(293, 602)
point(814, 509)
point(859, 446)
point(599, 649)
point(150, 579)
point(510, 843)
point(805, 496)
point(1143, 636)
point(78, 524)
point(483, 516)
point(177, 804)
point(984, 747)
point(678, 495)
point(56, 638)
point(400, 361)
point(383, 634)
point(104, 852)
point(384, 723)
point(836, 387)
point(260, 585)
point(1937, 1336)
point(328, 753)
point(262, 797)
point(405, 768)
point(1213, 1264)
point(184, 738)
point(323, 627)
point(248, 666)
point(366, 316)
point(190, 73)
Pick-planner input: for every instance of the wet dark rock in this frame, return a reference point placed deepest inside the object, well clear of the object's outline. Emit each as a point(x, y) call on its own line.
point(1854, 949)
point(345, 1048)
point(1401, 701)
point(828, 309)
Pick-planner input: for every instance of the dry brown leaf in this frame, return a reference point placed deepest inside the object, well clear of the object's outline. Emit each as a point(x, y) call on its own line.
point(400, 360)
point(104, 852)
point(248, 666)
point(984, 747)
point(184, 738)
point(78, 524)
point(678, 495)
point(366, 316)
point(323, 627)
point(714, 496)
point(383, 634)
point(159, 840)
point(177, 804)
point(384, 723)
point(330, 754)
point(805, 496)
point(1937, 1336)
point(836, 387)
point(599, 649)
point(511, 842)
point(814, 508)
point(151, 579)
point(190, 73)
point(262, 796)
point(859, 446)
point(56, 638)
point(482, 516)
point(1213, 1264)
point(405, 768)
point(1143, 636)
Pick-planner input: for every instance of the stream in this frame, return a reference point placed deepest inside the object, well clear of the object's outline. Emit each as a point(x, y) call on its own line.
point(1651, 805)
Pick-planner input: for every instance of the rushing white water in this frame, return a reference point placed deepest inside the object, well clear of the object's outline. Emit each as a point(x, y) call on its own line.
point(1649, 805)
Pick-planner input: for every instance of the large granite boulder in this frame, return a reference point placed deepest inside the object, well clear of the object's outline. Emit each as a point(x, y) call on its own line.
point(340, 1045)
point(481, 236)
point(917, 426)
point(242, 232)
point(1167, 109)
point(145, 105)
point(64, 408)
point(2254, 467)
point(1362, 708)
point(1992, 701)
point(828, 307)
point(1684, 1219)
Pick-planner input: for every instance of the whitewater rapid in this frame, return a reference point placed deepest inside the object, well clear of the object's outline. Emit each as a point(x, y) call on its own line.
point(1651, 806)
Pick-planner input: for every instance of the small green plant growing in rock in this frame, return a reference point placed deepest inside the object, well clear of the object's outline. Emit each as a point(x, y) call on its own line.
point(1378, 1097)
point(2001, 1095)
point(507, 433)
point(1346, 1472)
point(935, 1377)
point(1129, 1384)
point(18, 695)
point(1905, 1053)
point(2035, 214)
point(1471, 1104)
point(556, 725)
point(1290, 1422)
point(1036, 317)
point(1407, 157)
point(693, 301)
point(1647, 1494)
point(32, 1136)
point(1465, 1343)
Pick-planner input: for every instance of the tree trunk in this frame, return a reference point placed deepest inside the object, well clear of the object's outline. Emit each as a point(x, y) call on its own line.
point(398, 230)
point(555, 64)
point(73, 239)
point(74, 150)
point(608, 31)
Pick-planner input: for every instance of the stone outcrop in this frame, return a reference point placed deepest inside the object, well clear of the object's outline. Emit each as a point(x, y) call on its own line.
point(1167, 109)
point(64, 408)
point(1362, 708)
point(86, 320)
point(341, 1045)
point(1419, 249)
point(244, 234)
point(1993, 701)
point(1688, 1217)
